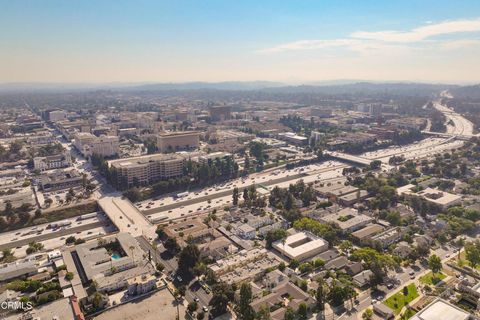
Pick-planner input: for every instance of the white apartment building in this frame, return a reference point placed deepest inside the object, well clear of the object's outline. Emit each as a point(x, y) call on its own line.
point(89, 144)
point(52, 162)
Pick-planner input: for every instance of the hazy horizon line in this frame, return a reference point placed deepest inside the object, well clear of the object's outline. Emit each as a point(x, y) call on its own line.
point(287, 83)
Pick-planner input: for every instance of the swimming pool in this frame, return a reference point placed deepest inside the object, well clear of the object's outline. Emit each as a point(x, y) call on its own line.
point(116, 256)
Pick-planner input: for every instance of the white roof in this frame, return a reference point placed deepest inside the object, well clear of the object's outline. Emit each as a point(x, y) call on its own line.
point(310, 243)
point(441, 309)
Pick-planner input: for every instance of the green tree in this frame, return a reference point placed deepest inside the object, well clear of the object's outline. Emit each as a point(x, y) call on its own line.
point(188, 258)
point(192, 307)
point(235, 196)
point(320, 295)
point(375, 164)
point(302, 312)
point(7, 256)
point(435, 263)
point(472, 253)
point(171, 245)
point(263, 313)
point(289, 314)
point(222, 295)
point(70, 240)
point(160, 267)
point(346, 246)
point(367, 315)
point(8, 208)
point(275, 235)
point(244, 309)
point(133, 194)
point(246, 198)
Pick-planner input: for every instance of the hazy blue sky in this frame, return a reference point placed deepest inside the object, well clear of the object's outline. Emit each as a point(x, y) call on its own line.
point(202, 40)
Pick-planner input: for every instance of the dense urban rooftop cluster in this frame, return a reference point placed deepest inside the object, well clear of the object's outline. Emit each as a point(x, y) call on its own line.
point(251, 205)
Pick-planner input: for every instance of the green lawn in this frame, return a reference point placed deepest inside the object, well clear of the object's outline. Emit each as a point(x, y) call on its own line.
point(407, 314)
point(399, 300)
point(430, 279)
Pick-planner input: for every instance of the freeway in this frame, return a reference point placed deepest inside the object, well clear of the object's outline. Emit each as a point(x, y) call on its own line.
point(52, 235)
point(216, 195)
point(196, 203)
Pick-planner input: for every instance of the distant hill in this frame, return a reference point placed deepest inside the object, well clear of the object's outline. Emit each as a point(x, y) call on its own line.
point(227, 85)
point(253, 88)
point(365, 88)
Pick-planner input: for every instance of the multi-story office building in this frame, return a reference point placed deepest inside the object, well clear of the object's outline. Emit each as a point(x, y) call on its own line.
point(145, 170)
point(59, 179)
point(52, 162)
point(57, 115)
point(177, 141)
point(220, 113)
point(89, 144)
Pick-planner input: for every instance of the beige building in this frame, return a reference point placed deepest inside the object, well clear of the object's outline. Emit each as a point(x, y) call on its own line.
point(145, 170)
point(301, 246)
point(57, 115)
point(52, 162)
point(89, 144)
point(141, 284)
point(220, 113)
point(441, 198)
point(176, 141)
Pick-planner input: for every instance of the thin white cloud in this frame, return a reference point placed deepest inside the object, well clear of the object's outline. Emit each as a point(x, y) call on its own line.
point(421, 33)
point(362, 41)
point(311, 44)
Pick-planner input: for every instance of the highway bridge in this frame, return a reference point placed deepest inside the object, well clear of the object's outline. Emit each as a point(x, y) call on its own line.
point(464, 137)
point(348, 158)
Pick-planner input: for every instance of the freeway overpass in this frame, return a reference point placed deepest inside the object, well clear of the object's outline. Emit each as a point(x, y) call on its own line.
point(126, 217)
point(464, 137)
point(349, 158)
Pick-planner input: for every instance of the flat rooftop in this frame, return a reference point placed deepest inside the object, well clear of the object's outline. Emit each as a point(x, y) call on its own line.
point(135, 161)
point(347, 218)
point(441, 309)
point(433, 195)
point(58, 309)
point(178, 134)
point(300, 243)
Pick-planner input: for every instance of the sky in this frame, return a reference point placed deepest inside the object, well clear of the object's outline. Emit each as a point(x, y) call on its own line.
point(297, 41)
